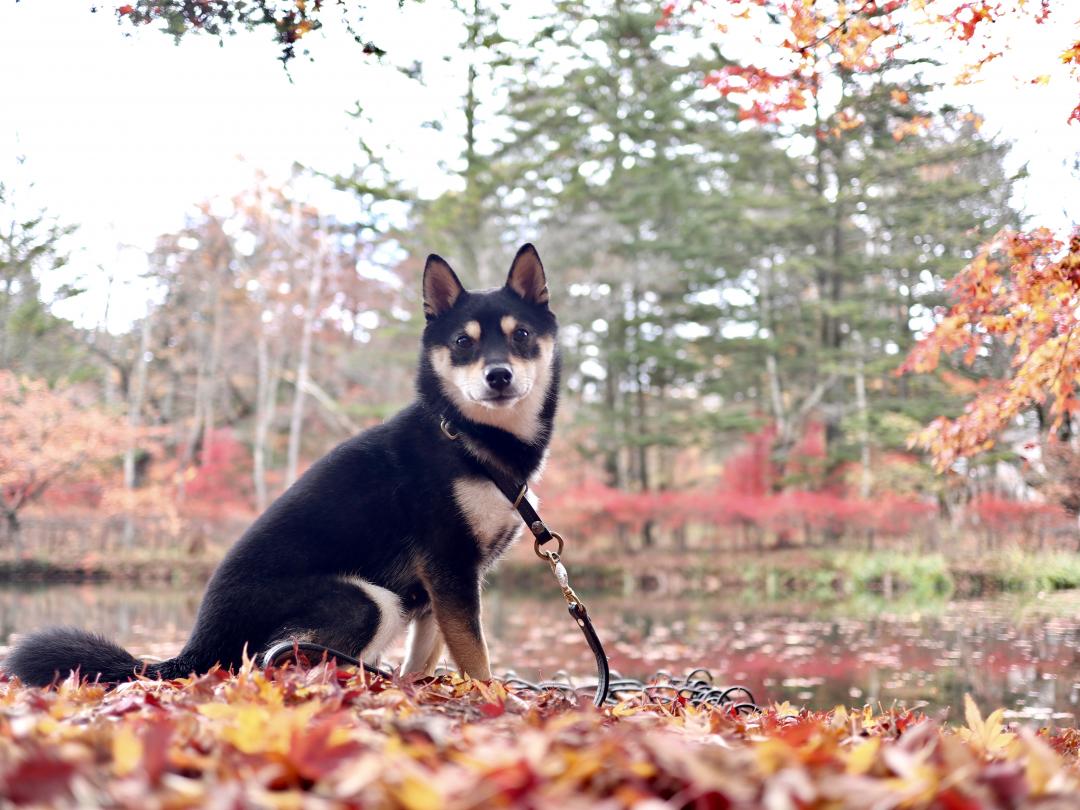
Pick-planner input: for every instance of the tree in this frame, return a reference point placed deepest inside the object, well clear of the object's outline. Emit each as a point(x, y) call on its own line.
point(1019, 297)
point(260, 292)
point(289, 20)
point(630, 169)
point(47, 435)
point(887, 200)
point(859, 258)
point(805, 40)
point(31, 244)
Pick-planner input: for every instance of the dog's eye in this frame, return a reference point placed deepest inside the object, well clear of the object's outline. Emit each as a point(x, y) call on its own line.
point(521, 333)
point(463, 341)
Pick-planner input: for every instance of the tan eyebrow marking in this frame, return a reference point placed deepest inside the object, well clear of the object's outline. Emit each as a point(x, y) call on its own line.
point(472, 329)
point(509, 324)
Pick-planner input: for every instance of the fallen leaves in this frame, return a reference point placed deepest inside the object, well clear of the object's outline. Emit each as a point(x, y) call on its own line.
point(987, 735)
point(334, 737)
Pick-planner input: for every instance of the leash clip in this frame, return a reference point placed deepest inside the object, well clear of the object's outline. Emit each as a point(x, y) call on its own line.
point(547, 555)
point(448, 431)
point(558, 570)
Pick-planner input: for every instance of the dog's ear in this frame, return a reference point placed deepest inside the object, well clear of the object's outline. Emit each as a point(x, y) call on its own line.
point(441, 287)
point(527, 277)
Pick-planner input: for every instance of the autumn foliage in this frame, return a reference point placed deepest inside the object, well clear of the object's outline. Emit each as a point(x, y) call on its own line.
point(1018, 296)
point(809, 40)
point(332, 738)
point(48, 436)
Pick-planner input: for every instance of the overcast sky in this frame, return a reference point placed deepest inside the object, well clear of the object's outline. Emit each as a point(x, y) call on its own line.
point(123, 134)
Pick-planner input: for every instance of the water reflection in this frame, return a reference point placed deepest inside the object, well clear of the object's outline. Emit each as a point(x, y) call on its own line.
point(1021, 654)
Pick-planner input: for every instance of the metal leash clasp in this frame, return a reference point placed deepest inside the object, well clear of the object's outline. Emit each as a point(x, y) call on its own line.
point(558, 570)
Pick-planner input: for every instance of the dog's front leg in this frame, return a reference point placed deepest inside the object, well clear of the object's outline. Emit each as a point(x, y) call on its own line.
point(457, 610)
point(423, 647)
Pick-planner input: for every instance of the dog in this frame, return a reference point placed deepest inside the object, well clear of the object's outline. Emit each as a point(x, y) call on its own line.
point(393, 528)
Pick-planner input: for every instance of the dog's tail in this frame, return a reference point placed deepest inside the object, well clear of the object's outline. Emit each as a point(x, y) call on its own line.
point(46, 656)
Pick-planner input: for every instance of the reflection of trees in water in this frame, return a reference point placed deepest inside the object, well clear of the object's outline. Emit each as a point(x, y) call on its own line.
point(1004, 652)
point(151, 621)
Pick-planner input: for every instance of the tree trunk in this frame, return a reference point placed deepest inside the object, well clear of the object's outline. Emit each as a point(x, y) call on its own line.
point(303, 363)
point(211, 380)
point(864, 425)
point(11, 530)
point(269, 375)
point(648, 539)
point(611, 446)
point(135, 406)
point(203, 394)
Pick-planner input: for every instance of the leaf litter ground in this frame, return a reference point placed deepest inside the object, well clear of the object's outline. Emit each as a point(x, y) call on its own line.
point(333, 737)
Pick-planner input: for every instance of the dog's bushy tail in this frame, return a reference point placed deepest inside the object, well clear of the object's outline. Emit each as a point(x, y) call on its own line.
point(50, 655)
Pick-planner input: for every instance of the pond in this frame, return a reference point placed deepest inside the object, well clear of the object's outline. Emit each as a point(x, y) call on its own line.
point(1022, 653)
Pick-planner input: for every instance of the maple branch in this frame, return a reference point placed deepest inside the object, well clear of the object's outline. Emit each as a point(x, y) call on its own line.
point(840, 26)
point(1064, 354)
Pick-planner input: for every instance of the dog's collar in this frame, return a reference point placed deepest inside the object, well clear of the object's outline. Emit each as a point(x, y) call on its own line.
point(513, 491)
point(448, 429)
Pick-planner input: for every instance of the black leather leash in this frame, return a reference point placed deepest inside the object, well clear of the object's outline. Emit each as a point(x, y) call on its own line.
point(696, 688)
point(515, 492)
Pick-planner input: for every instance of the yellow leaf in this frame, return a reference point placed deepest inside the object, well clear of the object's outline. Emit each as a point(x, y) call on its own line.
point(626, 709)
point(988, 735)
point(127, 751)
point(772, 755)
point(785, 709)
point(1042, 765)
point(646, 770)
point(254, 729)
point(861, 758)
point(839, 717)
point(414, 794)
point(867, 716)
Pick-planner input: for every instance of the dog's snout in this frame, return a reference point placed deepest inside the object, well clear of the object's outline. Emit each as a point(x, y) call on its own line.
point(499, 377)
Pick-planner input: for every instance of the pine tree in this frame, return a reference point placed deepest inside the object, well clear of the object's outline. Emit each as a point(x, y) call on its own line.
point(31, 246)
point(885, 206)
point(631, 170)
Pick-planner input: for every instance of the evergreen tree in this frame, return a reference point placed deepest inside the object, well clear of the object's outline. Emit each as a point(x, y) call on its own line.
point(885, 206)
point(31, 245)
point(634, 174)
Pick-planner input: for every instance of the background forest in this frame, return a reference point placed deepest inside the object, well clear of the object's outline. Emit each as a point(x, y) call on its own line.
point(736, 301)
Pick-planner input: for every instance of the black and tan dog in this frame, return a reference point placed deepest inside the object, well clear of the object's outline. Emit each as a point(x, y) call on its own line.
point(394, 527)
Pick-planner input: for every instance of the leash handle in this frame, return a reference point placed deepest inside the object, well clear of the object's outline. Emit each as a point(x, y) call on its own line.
point(603, 672)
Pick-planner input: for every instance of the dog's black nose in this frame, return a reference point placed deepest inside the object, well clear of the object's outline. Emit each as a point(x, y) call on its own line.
point(499, 377)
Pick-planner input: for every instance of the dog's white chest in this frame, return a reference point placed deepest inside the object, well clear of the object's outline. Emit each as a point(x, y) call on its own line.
point(490, 516)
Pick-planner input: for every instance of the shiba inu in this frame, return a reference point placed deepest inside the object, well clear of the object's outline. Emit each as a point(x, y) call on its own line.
point(392, 529)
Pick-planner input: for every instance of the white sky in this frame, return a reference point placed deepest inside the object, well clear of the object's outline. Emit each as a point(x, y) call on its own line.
point(123, 134)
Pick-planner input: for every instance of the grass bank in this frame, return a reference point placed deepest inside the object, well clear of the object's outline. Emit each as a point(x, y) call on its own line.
point(133, 569)
point(818, 574)
point(811, 574)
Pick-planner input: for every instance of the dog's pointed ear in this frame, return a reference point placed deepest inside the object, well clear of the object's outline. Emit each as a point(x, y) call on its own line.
point(441, 287)
point(527, 277)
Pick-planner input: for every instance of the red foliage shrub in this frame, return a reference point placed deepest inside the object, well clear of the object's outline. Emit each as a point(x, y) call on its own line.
point(1005, 516)
point(222, 481)
point(74, 495)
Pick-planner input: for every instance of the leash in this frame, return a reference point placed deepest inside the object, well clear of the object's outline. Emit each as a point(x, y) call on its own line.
point(663, 688)
point(515, 492)
point(696, 688)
